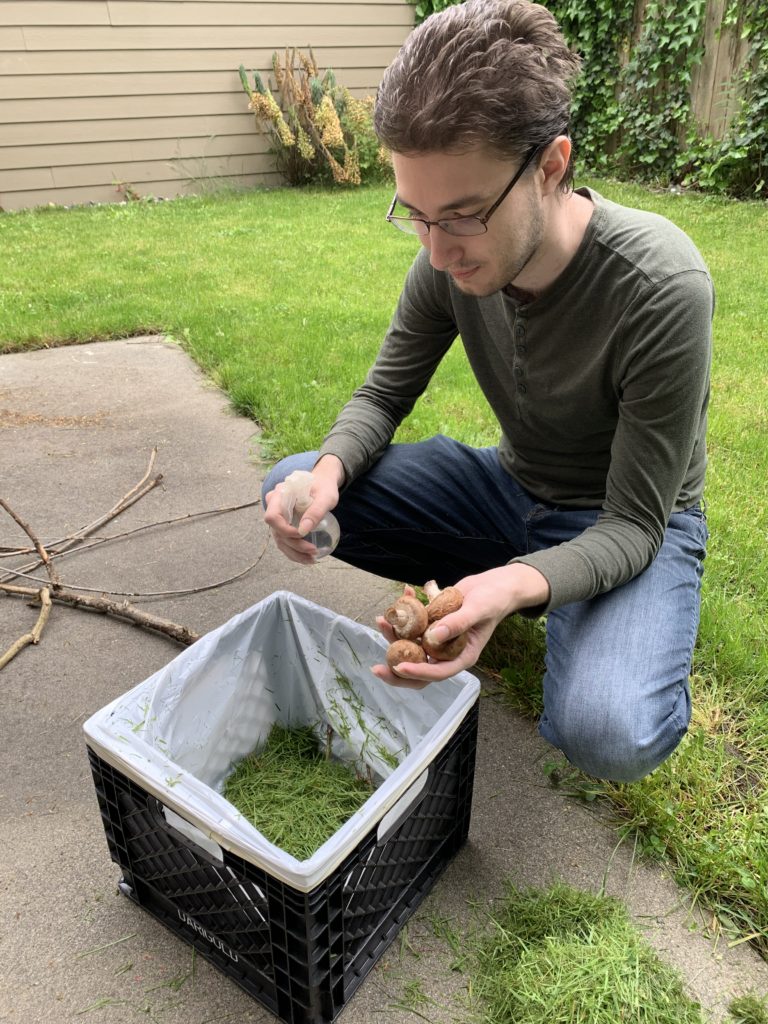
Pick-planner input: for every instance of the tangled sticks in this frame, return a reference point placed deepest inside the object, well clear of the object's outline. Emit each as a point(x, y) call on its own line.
point(410, 620)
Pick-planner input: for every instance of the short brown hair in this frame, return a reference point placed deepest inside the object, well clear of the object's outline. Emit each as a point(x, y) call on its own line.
point(493, 73)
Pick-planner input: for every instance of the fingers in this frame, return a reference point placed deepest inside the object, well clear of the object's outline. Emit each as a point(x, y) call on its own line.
point(416, 675)
point(383, 673)
point(385, 629)
point(287, 538)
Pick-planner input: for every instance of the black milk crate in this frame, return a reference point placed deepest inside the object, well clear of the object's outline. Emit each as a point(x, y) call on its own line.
point(301, 954)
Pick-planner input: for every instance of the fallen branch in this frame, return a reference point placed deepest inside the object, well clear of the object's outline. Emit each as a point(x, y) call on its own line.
point(120, 610)
point(138, 491)
point(44, 556)
point(129, 533)
point(76, 597)
point(33, 637)
point(150, 593)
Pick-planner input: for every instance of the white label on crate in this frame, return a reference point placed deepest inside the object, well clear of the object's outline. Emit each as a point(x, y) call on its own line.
point(207, 935)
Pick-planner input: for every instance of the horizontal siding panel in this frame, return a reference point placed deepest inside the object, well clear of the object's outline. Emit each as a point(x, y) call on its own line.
point(138, 172)
point(30, 177)
point(106, 193)
point(117, 129)
point(51, 12)
point(12, 39)
point(99, 107)
point(159, 83)
point(141, 149)
point(131, 12)
point(270, 37)
point(64, 62)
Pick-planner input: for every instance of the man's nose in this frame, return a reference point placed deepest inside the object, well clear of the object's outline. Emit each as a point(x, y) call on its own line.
point(444, 249)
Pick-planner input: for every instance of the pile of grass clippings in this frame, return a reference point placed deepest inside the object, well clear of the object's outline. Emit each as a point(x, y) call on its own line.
point(570, 957)
point(295, 795)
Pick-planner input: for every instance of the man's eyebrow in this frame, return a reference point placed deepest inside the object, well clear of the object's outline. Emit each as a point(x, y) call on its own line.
point(457, 204)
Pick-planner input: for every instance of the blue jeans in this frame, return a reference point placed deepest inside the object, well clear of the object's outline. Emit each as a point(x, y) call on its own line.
point(616, 696)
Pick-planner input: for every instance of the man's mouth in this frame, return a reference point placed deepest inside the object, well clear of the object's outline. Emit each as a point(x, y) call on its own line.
point(463, 275)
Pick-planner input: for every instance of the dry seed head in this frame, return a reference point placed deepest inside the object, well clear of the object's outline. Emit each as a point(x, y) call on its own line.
point(306, 149)
point(327, 120)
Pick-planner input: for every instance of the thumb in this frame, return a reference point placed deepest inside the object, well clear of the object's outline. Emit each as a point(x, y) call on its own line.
point(311, 516)
point(446, 628)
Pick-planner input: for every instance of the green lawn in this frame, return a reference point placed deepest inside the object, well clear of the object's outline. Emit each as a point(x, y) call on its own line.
point(283, 298)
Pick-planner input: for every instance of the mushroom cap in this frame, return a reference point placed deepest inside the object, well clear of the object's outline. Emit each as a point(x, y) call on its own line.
point(448, 650)
point(407, 617)
point(404, 650)
point(444, 602)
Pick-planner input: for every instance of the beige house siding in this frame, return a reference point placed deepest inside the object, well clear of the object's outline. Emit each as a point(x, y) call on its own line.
point(146, 92)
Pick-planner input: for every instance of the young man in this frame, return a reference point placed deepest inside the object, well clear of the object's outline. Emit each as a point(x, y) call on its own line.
point(588, 328)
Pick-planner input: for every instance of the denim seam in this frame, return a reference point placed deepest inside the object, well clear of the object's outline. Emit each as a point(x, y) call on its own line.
point(692, 632)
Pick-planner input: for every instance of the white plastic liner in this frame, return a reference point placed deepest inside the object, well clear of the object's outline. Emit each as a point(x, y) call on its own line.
point(289, 661)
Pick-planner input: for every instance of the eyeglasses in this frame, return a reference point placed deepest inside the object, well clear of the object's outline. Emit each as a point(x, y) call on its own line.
point(462, 226)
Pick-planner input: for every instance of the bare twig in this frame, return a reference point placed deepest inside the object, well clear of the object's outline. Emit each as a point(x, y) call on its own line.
point(52, 575)
point(33, 637)
point(141, 488)
point(125, 502)
point(121, 610)
point(138, 529)
point(151, 593)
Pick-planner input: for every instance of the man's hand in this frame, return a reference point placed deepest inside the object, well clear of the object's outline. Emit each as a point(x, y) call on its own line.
point(327, 477)
point(488, 598)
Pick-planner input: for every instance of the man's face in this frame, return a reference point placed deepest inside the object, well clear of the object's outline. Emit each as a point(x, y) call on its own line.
point(442, 186)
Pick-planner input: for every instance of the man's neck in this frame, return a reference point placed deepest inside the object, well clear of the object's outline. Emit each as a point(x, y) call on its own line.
point(569, 217)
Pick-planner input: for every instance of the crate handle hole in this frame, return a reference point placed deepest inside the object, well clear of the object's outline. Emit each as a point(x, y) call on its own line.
point(400, 810)
point(192, 833)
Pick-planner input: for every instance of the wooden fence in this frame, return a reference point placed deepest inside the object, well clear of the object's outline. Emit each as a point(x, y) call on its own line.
point(714, 98)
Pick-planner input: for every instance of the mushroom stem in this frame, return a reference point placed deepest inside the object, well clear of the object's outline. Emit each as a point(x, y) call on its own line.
point(407, 617)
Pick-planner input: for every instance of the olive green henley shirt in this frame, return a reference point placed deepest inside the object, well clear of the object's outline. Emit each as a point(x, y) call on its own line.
point(600, 385)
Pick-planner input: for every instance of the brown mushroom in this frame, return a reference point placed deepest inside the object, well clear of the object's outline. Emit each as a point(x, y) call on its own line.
point(404, 650)
point(407, 617)
point(446, 651)
point(442, 602)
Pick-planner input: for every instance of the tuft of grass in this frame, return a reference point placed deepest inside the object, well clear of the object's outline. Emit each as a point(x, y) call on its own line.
point(295, 795)
point(749, 1009)
point(570, 957)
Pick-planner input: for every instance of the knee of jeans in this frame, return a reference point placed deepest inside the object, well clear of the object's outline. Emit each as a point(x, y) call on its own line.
point(278, 473)
point(617, 743)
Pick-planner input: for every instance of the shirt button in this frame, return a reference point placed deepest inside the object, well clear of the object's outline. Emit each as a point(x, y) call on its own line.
point(521, 348)
point(522, 388)
point(518, 371)
point(520, 331)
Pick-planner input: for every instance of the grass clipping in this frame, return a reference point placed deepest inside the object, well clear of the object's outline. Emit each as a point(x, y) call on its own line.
point(570, 957)
point(293, 792)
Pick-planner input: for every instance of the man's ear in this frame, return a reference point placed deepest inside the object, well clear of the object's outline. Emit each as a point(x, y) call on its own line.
point(554, 164)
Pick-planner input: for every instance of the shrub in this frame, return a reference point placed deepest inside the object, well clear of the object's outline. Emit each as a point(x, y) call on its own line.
point(319, 131)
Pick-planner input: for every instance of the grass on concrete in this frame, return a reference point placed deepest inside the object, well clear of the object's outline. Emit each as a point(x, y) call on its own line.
point(565, 956)
point(570, 957)
point(283, 298)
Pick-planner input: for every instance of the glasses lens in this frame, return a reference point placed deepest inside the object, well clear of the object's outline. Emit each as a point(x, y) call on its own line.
point(409, 225)
point(463, 226)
